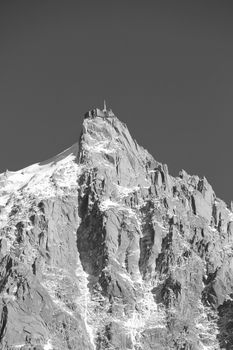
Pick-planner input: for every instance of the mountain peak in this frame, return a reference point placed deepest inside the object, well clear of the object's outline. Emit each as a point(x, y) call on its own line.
point(100, 248)
point(106, 143)
point(97, 112)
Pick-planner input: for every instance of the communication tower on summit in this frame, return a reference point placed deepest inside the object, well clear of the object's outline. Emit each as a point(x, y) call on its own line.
point(105, 107)
point(96, 112)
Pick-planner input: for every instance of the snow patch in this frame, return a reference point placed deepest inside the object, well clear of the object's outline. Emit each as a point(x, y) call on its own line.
point(42, 179)
point(149, 316)
point(126, 277)
point(159, 224)
point(84, 300)
point(18, 346)
point(98, 147)
point(48, 345)
point(207, 328)
point(108, 203)
point(125, 191)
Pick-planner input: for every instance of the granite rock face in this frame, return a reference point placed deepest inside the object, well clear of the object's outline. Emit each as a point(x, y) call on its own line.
point(100, 248)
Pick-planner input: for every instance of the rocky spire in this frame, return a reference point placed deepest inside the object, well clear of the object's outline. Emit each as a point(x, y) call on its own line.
point(106, 250)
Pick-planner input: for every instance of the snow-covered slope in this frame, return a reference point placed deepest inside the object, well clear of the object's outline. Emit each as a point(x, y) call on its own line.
point(100, 248)
point(38, 178)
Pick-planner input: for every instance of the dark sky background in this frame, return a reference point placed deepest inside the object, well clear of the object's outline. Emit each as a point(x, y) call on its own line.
point(164, 67)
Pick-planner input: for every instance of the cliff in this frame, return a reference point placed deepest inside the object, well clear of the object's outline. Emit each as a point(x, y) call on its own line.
point(100, 248)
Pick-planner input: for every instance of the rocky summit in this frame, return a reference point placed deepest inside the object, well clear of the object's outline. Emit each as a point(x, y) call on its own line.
point(100, 248)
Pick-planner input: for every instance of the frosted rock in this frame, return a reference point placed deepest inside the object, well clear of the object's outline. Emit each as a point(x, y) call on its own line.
point(100, 248)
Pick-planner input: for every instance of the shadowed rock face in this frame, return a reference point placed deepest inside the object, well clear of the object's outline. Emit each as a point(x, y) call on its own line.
point(100, 248)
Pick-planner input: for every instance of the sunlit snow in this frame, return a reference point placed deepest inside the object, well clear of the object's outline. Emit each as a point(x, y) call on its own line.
point(102, 146)
point(45, 178)
point(48, 345)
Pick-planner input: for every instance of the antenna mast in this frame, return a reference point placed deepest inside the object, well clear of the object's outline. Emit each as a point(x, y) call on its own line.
point(105, 108)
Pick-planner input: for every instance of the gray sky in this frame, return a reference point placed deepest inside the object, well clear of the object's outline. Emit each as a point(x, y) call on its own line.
point(164, 67)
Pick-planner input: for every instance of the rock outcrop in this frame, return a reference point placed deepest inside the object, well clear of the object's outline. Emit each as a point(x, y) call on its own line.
point(100, 248)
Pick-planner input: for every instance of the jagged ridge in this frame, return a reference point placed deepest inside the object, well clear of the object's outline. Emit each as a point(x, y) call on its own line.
point(102, 249)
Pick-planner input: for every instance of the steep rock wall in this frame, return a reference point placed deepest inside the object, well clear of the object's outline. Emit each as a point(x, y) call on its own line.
point(102, 249)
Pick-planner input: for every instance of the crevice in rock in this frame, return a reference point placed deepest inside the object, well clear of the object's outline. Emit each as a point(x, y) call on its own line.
point(3, 323)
